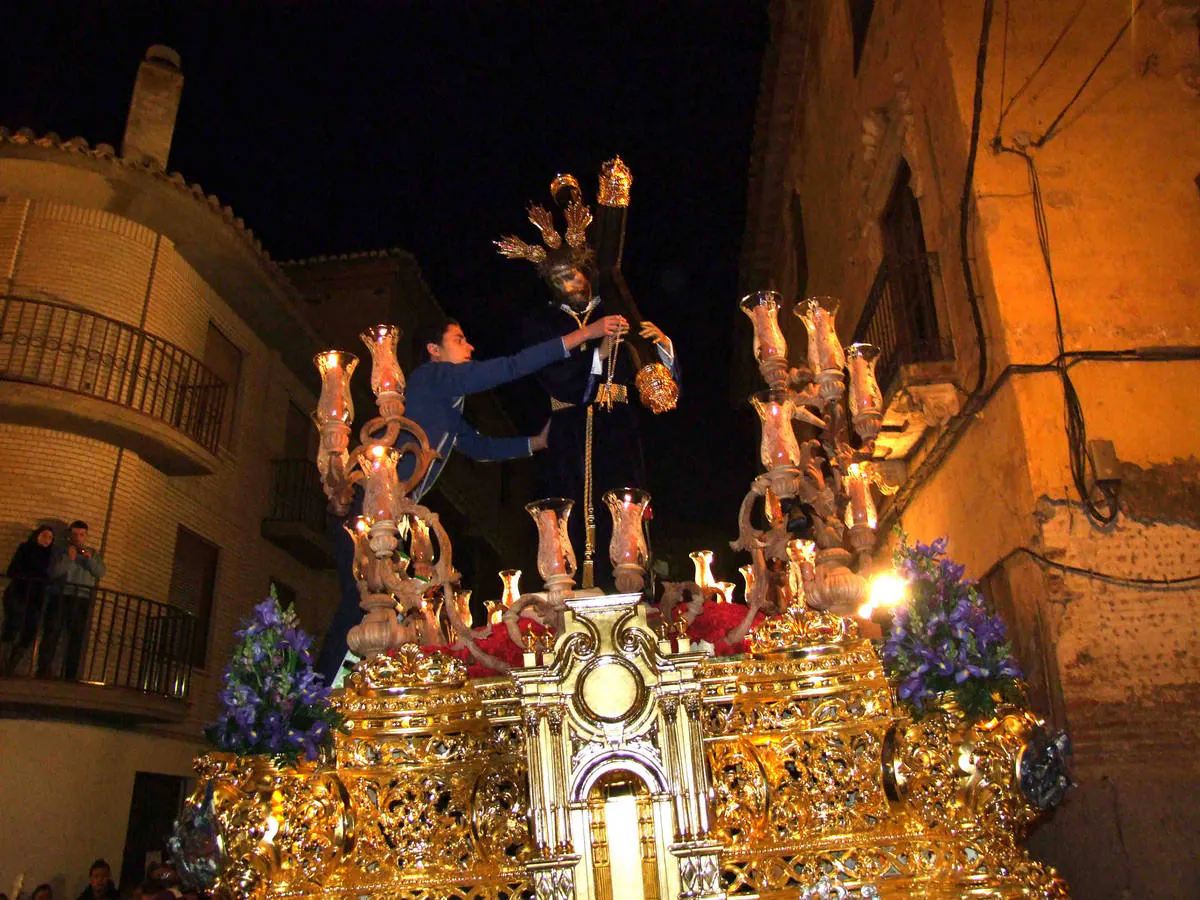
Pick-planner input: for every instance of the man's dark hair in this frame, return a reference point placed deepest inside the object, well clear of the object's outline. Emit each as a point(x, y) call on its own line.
point(42, 887)
point(100, 863)
point(430, 332)
point(78, 523)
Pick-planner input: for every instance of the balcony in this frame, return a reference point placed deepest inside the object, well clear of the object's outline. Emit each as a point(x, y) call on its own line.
point(296, 519)
point(105, 653)
point(916, 369)
point(69, 369)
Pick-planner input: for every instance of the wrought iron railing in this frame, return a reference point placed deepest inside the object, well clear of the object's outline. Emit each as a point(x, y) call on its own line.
point(61, 346)
point(900, 316)
point(296, 494)
point(97, 636)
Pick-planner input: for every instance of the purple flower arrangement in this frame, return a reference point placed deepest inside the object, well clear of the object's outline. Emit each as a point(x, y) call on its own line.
point(947, 640)
point(273, 702)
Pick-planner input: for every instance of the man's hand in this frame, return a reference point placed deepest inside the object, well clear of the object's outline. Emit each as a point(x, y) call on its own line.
point(540, 440)
point(71, 551)
point(652, 332)
point(606, 326)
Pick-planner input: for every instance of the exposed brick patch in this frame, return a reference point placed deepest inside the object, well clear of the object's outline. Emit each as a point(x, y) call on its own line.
point(1168, 492)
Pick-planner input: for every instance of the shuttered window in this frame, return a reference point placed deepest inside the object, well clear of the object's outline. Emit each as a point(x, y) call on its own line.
point(193, 582)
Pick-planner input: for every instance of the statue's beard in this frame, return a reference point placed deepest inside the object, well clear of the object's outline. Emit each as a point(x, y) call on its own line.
point(577, 300)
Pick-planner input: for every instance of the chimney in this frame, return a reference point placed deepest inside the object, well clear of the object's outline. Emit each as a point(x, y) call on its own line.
point(152, 111)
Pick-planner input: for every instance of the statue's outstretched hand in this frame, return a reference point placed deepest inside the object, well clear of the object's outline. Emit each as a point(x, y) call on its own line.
point(652, 332)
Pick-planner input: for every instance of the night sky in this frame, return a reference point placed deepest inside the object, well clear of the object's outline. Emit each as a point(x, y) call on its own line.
point(337, 127)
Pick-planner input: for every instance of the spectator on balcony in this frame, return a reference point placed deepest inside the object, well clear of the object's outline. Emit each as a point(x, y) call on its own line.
point(100, 883)
point(74, 573)
point(24, 595)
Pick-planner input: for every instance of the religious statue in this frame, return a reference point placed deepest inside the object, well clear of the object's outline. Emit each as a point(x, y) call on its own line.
point(594, 444)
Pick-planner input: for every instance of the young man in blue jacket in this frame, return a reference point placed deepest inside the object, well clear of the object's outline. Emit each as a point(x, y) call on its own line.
point(436, 389)
point(434, 398)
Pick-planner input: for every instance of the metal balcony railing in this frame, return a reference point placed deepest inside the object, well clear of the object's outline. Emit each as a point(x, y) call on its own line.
point(900, 316)
point(61, 346)
point(296, 494)
point(96, 636)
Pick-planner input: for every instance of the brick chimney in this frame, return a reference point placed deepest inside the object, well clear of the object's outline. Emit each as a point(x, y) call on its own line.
point(151, 122)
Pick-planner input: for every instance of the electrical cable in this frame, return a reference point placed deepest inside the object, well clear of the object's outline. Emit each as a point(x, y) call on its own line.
point(1081, 464)
point(985, 31)
point(1041, 65)
point(949, 439)
point(1128, 581)
point(1049, 132)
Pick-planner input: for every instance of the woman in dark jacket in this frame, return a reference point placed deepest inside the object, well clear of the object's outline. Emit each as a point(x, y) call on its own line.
point(24, 596)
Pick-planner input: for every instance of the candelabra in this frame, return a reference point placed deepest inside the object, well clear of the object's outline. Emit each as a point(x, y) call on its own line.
point(821, 485)
point(402, 555)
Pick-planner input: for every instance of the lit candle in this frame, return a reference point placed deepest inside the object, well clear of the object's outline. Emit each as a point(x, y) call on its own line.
point(556, 556)
point(866, 400)
point(335, 403)
point(779, 446)
point(386, 374)
point(420, 547)
point(819, 316)
point(628, 545)
point(382, 488)
point(860, 510)
point(702, 560)
point(510, 580)
point(763, 309)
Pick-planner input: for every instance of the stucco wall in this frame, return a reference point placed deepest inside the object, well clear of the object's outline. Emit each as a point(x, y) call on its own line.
point(65, 793)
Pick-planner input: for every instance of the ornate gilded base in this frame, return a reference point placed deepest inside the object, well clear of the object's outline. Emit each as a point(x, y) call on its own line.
point(621, 768)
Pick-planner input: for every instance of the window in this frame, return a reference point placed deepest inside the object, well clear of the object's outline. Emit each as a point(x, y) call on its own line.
point(860, 21)
point(900, 316)
point(193, 581)
point(904, 250)
point(224, 359)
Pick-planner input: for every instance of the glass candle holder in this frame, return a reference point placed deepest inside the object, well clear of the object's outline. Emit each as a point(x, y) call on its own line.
point(860, 508)
point(495, 611)
point(747, 573)
point(335, 403)
point(556, 556)
point(386, 374)
point(779, 446)
point(420, 547)
point(381, 489)
point(510, 580)
point(819, 315)
point(702, 560)
point(866, 400)
point(763, 308)
point(628, 546)
point(359, 529)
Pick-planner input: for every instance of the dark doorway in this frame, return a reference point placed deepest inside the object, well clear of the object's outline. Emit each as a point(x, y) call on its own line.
point(153, 809)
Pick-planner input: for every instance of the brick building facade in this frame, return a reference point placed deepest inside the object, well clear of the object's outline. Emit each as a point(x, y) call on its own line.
point(871, 120)
point(152, 363)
